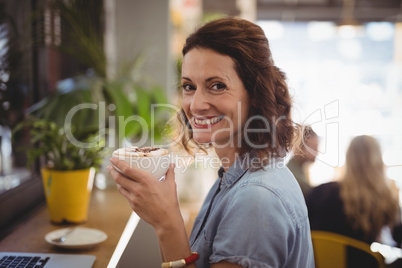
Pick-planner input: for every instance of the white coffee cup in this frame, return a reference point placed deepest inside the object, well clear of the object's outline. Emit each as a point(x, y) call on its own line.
point(153, 160)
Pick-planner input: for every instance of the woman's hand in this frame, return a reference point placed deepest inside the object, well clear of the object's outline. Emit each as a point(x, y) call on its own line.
point(154, 201)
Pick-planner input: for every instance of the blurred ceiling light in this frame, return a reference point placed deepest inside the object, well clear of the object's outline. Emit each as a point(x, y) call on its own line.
point(319, 31)
point(349, 31)
point(273, 29)
point(380, 31)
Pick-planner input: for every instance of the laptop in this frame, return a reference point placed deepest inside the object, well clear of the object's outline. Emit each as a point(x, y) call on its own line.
point(45, 260)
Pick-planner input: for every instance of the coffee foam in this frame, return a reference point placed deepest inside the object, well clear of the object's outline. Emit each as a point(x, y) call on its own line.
point(140, 152)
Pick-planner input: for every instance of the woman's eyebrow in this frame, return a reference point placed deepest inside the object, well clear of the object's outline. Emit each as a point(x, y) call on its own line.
point(212, 78)
point(225, 78)
point(206, 80)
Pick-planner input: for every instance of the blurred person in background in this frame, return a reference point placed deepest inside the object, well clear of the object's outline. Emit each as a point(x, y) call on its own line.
point(363, 202)
point(304, 153)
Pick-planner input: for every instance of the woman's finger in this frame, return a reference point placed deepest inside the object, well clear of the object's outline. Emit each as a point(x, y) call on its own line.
point(129, 196)
point(132, 172)
point(123, 181)
point(170, 173)
point(124, 192)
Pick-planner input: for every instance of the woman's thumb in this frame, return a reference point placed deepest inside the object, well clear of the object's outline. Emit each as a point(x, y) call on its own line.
point(170, 173)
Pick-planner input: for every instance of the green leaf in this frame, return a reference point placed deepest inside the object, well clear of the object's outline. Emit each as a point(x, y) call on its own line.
point(159, 94)
point(144, 104)
point(50, 142)
point(118, 97)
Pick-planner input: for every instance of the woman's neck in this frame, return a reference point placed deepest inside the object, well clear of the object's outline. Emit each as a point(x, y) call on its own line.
point(227, 156)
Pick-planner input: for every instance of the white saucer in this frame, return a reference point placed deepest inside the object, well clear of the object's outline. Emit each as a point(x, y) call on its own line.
point(79, 238)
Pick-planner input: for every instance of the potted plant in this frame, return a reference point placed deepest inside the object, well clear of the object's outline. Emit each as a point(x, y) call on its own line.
point(68, 170)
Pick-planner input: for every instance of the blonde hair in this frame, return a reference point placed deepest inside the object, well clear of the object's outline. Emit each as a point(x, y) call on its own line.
point(369, 200)
point(301, 135)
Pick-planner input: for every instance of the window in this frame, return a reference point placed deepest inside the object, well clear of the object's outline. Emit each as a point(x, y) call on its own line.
point(15, 90)
point(345, 82)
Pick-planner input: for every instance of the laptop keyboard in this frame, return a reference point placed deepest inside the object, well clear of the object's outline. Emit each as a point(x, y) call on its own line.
point(23, 262)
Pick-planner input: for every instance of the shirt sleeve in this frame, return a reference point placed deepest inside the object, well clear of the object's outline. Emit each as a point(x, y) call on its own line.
point(256, 230)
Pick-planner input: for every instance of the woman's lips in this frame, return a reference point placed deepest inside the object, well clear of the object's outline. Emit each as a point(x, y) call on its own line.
point(206, 122)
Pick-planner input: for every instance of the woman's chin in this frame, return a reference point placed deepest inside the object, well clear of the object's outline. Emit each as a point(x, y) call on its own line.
point(202, 139)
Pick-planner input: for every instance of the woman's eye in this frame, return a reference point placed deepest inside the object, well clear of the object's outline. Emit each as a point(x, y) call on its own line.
point(218, 87)
point(188, 87)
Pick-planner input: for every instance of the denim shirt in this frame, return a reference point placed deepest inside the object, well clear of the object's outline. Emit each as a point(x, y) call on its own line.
point(256, 219)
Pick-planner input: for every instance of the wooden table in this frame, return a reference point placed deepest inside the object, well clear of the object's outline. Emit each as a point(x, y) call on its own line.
point(108, 212)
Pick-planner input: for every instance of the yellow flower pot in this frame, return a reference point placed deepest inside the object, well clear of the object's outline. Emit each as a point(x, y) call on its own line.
point(68, 194)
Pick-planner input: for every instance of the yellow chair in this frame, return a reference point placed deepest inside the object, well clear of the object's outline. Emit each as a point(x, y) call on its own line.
point(338, 251)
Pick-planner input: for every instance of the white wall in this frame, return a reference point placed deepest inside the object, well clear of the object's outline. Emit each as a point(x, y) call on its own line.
point(143, 26)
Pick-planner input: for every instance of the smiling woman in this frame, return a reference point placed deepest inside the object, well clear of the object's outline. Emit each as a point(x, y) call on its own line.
point(235, 99)
point(232, 59)
point(214, 98)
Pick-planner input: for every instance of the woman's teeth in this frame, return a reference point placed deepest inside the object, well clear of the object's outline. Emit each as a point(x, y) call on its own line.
point(209, 121)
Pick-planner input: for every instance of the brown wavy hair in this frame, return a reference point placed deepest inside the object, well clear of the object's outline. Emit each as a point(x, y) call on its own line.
point(369, 198)
point(247, 45)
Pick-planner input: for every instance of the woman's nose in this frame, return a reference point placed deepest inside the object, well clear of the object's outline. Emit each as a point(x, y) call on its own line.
point(200, 101)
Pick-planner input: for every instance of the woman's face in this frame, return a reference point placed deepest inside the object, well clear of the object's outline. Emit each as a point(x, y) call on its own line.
point(215, 100)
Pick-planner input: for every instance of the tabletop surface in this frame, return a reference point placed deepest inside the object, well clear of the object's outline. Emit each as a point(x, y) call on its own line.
point(108, 212)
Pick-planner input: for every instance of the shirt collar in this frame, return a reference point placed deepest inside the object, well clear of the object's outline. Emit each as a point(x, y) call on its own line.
point(234, 173)
point(240, 167)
